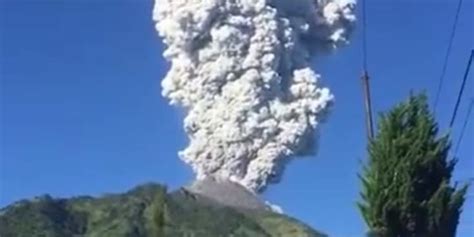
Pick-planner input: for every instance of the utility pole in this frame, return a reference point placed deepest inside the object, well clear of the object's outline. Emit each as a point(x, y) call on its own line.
point(368, 105)
point(365, 76)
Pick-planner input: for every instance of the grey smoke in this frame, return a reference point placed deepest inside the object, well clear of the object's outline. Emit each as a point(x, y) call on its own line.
point(241, 70)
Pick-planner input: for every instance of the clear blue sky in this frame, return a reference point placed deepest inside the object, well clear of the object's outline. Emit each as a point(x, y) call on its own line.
point(81, 111)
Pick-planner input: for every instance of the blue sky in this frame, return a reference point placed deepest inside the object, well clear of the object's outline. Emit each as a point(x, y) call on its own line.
point(81, 111)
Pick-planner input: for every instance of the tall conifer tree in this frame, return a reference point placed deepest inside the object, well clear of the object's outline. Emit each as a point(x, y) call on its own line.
point(406, 182)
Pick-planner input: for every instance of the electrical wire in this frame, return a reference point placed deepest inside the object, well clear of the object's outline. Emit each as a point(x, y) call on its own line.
point(461, 90)
point(463, 129)
point(446, 57)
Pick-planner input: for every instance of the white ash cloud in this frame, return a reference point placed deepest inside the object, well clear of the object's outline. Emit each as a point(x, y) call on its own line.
point(241, 69)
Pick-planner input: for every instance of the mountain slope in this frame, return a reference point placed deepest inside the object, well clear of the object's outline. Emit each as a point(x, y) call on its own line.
point(146, 211)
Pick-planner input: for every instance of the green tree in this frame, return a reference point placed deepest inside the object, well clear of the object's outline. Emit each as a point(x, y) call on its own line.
point(158, 215)
point(406, 182)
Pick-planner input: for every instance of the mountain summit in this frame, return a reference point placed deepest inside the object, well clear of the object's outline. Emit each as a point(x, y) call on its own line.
point(150, 211)
point(227, 193)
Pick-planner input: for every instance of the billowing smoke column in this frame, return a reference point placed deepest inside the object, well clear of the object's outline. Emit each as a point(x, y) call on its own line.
point(241, 69)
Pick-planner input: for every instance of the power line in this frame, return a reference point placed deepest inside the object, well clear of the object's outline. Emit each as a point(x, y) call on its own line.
point(446, 57)
point(461, 90)
point(466, 121)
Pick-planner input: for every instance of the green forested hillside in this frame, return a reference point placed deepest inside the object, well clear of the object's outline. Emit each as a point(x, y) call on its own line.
point(146, 211)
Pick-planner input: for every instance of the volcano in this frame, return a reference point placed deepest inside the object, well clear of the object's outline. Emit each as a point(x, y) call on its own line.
point(207, 208)
point(227, 193)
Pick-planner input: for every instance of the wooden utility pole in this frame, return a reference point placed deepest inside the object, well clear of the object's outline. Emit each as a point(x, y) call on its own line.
point(365, 76)
point(368, 105)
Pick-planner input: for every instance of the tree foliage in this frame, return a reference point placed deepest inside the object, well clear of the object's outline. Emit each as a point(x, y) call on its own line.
point(406, 181)
point(145, 211)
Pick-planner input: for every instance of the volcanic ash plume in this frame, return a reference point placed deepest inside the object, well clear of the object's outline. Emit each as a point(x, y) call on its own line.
point(241, 69)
